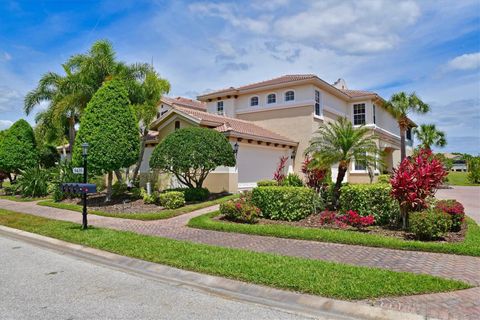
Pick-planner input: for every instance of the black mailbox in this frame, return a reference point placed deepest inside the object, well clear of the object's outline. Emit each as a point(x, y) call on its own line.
point(79, 188)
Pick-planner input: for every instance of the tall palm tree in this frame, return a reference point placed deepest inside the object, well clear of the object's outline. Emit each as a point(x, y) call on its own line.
point(429, 136)
point(340, 142)
point(400, 105)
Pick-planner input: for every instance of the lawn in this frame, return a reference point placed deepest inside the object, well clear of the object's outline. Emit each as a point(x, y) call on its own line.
point(302, 275)
point(21, 199)
point(163, 214)
point(470, 246)
point(459, 179)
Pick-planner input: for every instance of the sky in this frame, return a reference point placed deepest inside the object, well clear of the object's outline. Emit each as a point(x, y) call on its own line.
point(427, 46)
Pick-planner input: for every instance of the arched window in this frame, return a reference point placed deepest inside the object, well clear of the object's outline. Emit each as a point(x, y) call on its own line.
point(253, 101)
point(289, 95)
point(271, 98)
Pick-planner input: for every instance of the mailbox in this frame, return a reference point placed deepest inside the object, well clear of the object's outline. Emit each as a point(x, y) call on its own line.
point(79, 188)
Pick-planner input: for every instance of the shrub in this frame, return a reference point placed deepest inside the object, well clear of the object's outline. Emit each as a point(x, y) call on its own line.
point(286, 203)
point(34, 182)
point(100, 182)
point(193, 194)
point(240, 210)
point(172, 199)
point(149, 199)
point(353, 219)
point(456, 211)
point(136, 193)
point(267, 183)
point(383, 178)
point(279, 173)
point(328, 217)
point(315, 178)
point(430, 224)
point(119, 189)
point(11, 190)
point(326, 194)
point(62, 173)
point(292, 180)
point(474, 170)
point(368, 199)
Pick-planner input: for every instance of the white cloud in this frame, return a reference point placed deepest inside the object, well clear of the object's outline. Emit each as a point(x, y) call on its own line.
point(269, 5)
point(468, 61)
point(5, 124)
point(5, 56)
point(9, 99)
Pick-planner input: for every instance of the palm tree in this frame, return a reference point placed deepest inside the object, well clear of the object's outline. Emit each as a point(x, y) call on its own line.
point(400, 105)
point(429, 136)
point(340, 142)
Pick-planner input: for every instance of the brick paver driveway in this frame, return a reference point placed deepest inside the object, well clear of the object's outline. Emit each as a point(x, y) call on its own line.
point(468, 196)
point(463, 304)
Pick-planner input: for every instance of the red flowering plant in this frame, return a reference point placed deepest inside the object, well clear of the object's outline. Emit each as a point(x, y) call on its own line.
point(328, 217)
point(241, 210)
point(456, 211)
point(353, 219)
point(414, 180)
point(314, 177)
point(279, 174)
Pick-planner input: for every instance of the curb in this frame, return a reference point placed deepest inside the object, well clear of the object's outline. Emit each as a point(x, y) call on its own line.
point(292, 302)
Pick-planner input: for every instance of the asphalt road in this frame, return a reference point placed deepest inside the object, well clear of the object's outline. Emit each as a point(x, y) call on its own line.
point(37, 283)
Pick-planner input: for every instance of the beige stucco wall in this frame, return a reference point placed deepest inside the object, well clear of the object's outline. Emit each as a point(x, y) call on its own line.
point(219, 182)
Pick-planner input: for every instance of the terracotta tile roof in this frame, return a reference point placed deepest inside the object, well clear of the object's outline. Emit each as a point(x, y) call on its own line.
point(185, 102)
point(279, 80)
point(152, 135)
point(237, 126)
point(357, 93)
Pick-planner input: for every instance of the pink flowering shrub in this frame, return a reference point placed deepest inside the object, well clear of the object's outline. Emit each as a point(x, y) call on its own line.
point(353, 219)
point(328, 217)
point(240, 210)
point(456, 211)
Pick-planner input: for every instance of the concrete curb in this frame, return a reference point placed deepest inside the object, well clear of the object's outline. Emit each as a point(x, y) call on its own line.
point(303, 304)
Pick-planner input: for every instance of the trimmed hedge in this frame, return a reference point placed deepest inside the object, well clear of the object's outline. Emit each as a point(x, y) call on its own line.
point(267, 183)
point(286, 203)
point(172, 199)
point(366, 199)
point(430, 224)
point(193, 194)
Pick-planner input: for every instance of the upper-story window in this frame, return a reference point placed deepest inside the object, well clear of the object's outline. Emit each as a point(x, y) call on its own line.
point(289, 95)
point(374, 115)
point(272, 98)
point(318, 111)
point(408, 134)
point(359, 114)
point(220, 107)
point(253, 101)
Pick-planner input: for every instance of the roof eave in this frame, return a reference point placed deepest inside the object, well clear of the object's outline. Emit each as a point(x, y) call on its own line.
point(235, 134)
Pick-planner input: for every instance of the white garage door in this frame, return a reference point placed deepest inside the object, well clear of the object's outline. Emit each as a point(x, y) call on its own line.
point(257, 163)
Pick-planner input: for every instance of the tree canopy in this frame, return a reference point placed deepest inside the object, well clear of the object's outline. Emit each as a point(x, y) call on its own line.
point(110, 128)
point(18, 148)
point(190, 154)
point(429, 136)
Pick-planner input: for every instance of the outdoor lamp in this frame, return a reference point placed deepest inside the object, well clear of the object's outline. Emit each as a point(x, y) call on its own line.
point(294, 154)
point(84, 148)
point(235, 148)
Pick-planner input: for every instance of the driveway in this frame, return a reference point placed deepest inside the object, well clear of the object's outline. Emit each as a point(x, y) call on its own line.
point(468, 196)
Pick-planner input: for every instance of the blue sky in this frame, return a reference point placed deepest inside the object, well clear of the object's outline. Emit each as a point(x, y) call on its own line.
point(431, 47)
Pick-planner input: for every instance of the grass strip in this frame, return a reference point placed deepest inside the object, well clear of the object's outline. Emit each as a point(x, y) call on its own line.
point(323, 278)
point(21, 199)
point(469, 247)
point(164, 214)
point(460, 179)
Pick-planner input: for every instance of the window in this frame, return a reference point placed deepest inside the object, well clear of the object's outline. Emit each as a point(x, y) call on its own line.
point(289, 96)
point(177, 125)
point(409, 134)
point(220, 107)
point(271, 98)
point(359, 114)
point(253, 101)
point(318, 111)
point(360, 166)
point(374, 115)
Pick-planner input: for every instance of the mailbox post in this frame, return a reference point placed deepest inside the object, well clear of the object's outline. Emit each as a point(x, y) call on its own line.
point(85, 178)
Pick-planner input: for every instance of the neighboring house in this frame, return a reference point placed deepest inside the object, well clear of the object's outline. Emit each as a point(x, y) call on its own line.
point(278, 117)
point(458, 162)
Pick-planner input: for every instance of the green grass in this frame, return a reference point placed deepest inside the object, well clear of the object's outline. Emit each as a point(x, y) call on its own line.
point(21, 199)
point(470, 246)
point(303, 275)
point(164, 214)
point(459, 179)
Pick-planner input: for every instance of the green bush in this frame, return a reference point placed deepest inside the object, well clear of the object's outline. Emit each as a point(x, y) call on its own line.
point(119, 189)
point(326, 194)
point(149, 199)
point(136, 193)
point(11, 190)
point(430, 224)
point(366, 199)
point(383, 178)
point(286, 203)
point(292, 180)
point(172, 199)
point(100, 182)
point(62, 173)
point(193, 194)
point(240, 210)
point(474, 170)
point(34, 182)
point(267, 183)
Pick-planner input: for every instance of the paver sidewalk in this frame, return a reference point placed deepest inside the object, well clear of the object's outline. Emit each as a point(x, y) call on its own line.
point(463, 304)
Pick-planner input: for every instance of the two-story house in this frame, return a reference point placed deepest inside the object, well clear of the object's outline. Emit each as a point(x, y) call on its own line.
point(278, 117)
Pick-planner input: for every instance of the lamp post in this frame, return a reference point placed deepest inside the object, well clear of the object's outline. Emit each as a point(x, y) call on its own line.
point(235, 149)
point(85, 178)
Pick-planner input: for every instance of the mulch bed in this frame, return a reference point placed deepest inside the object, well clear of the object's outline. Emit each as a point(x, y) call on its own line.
point(313, 221)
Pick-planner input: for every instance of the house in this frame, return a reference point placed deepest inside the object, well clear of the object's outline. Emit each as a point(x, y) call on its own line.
point(278, 117)
point(459, 164)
